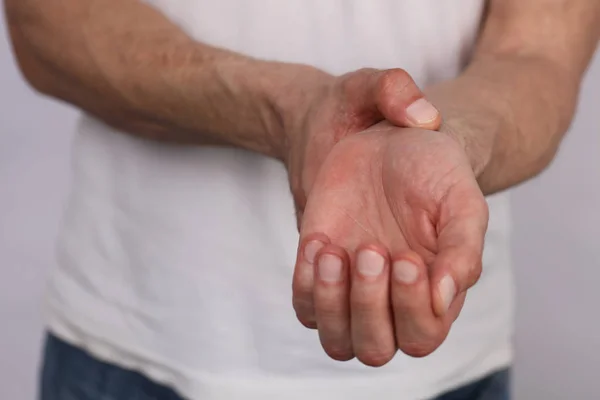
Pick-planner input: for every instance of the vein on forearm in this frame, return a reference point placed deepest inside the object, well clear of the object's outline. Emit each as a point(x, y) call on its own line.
point(126, 63)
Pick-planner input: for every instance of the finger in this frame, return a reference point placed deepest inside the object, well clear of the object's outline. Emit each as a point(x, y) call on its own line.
point(458, 264)
point(332, 308)
point(454, 271)
point(418, 330)
point(371, 319)
point(392, 95)
point(402, 103)
point(303, 280)
point(455, 309)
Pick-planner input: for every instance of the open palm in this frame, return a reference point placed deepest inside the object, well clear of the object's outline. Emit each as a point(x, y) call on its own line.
point(391, 237)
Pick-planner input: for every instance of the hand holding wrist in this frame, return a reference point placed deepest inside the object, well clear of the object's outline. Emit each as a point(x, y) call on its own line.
point(335, 107)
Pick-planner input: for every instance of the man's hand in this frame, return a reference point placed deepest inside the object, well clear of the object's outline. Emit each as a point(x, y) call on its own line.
point(344, 106)
point(392, 236)
point(504, 119)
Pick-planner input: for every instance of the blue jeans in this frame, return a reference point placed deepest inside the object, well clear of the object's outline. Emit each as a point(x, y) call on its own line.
point(69, 373)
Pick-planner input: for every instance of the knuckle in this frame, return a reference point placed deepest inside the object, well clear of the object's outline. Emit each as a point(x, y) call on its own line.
point(422, 341)
point(307, 322)
point(375, 357)
point(352, 82)
point(344, 353)
point(393, 85)
point(405, 303)
point(408, 311)
point(468, 276)
point(362, 304)
point(331, 312)
point(366, 71)
point(467, 272)
point(353, 79)
point(304, 309)
point(419, 349)
point(475, 274)
point(396, 77)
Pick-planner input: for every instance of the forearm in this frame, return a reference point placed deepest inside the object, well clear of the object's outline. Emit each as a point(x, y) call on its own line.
point(514, 102)
point(509, 114)
point(139, 72)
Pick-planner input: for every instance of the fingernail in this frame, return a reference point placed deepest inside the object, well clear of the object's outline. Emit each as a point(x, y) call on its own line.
point(369, 263)
point(421, 112)
point(405, 272)
point(447, 290)
point(311, 249)
point(330, 268)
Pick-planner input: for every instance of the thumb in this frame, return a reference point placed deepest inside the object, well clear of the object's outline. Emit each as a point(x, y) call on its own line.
point(395, 96)
point(458, 262)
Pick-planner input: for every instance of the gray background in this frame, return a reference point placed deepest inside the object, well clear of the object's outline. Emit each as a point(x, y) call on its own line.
point(556, 251)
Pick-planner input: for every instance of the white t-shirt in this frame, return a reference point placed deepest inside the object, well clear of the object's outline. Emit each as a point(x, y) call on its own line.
point(177, 261)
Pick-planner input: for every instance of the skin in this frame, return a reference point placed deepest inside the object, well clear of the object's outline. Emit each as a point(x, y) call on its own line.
point(417, 196)
point(139, 72)
point(360, 165)
point(389, 206)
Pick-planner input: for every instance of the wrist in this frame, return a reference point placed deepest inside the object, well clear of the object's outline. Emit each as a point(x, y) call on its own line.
point(251, 103)
point(477, 145)
point(298, 99)
point(470, 118)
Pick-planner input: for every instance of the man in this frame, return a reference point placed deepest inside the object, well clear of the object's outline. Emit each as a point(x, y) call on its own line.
point(176, 253)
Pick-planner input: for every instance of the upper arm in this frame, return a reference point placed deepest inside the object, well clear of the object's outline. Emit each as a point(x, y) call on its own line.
point(565, 32)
